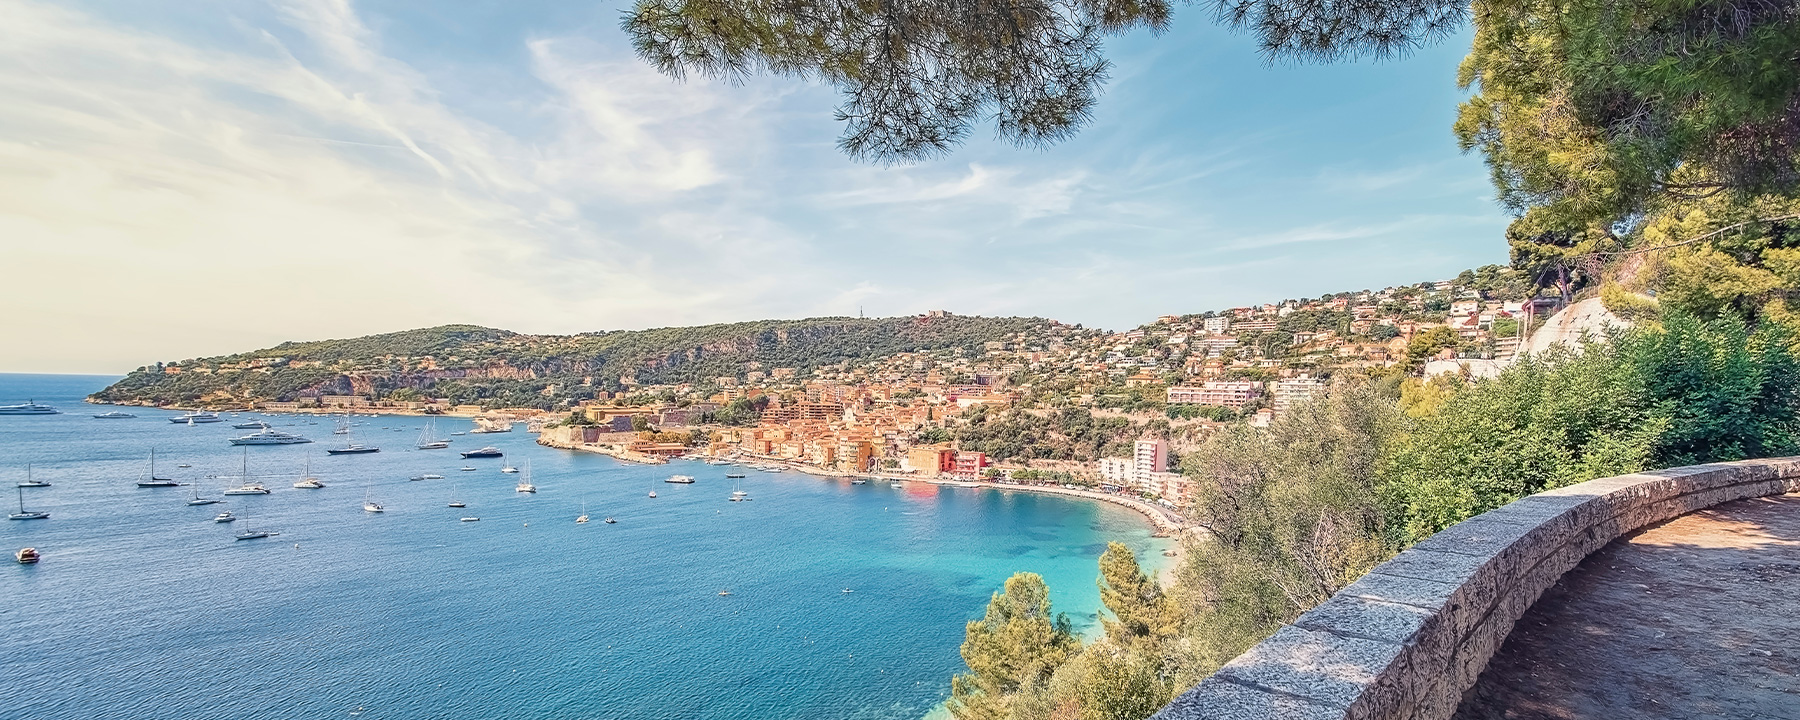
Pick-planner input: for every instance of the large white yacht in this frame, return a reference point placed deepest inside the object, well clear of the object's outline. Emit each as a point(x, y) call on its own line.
point(269, 436)
point(196, 418)
point(114, 415)
point(30, 407)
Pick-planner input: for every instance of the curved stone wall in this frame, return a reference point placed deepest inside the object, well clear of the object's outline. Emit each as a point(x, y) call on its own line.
point(1406, 640)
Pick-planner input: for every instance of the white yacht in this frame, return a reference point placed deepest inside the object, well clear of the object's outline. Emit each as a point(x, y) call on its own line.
point(30, 407)
point(252, 425)
point(224, 517)
point(196, 418)
point(114, 415)
point(269, 436)
point(680, 479)
point(509, 469)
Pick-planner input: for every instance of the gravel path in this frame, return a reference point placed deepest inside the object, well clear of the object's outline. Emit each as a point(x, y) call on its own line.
point(1696, 618)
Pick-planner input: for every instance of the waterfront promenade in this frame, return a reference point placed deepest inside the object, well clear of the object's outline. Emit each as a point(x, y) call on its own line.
point(1692, 618)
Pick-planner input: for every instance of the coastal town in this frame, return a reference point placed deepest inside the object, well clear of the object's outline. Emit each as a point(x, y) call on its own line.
point(920, 415)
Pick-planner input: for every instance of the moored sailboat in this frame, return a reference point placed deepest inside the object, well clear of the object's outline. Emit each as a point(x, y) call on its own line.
point(155, 481)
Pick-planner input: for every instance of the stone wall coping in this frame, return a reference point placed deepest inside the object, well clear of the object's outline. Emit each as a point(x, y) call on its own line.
point(1405, 641)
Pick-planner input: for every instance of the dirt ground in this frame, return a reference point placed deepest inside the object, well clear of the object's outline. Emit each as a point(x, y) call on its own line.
point(1696, 618)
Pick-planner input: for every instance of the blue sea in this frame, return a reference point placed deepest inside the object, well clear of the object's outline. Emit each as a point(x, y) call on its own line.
point(144, 608)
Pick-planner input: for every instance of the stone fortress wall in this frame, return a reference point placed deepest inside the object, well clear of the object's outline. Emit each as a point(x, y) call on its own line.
point(1408, 639)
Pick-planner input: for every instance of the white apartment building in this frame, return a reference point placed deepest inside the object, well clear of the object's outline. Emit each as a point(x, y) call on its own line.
point(1294, 391)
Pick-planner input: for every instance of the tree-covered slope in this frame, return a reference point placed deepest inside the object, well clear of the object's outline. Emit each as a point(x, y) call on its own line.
point(472, 364)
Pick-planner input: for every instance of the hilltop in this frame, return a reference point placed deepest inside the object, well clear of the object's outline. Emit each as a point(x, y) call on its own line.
point(468, 364)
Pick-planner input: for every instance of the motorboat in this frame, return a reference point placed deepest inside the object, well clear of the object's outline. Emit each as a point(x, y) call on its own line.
point(30, 407)
point(270, 436)
point(509, 469)
point(252, 425)
point(611, 521)
point(155, 481)
point(24, 514)
point(196, 418)
point(471, 519)
point(353, 449)
point(680, 479)
point(466, 468)
point(734, 475)
point(486, 452)
point(30, 482)
point(114, 415)
point(26, 556)
point(860, 481)
point(224, 517)
point(431, 476)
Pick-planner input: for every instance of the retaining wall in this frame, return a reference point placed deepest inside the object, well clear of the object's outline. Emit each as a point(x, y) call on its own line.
point(1408, 639)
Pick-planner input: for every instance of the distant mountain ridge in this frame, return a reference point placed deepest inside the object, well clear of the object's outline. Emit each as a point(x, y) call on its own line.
point(474, 364)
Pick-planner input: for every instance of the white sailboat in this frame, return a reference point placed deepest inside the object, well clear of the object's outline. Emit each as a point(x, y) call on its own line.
point(369, 505)
point(249, 534)
point(428, 439)
point(24, 514)
point(307, 481)
point(30, 482)
point(455, 503)
point(584, 516)
point(246, 487)
point(525, 485)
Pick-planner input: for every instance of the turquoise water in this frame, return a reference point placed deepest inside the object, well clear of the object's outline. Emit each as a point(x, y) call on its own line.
point(144, 608)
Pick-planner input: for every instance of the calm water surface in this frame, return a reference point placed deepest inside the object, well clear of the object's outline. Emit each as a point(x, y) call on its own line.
point(145, 608)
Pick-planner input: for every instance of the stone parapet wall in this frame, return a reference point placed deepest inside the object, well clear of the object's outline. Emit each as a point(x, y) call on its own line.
point(1407, 640)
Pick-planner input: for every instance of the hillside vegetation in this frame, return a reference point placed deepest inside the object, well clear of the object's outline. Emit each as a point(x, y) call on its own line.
point(472, 364)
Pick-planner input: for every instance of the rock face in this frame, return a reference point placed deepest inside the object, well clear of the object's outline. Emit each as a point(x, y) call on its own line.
point(1588, 317)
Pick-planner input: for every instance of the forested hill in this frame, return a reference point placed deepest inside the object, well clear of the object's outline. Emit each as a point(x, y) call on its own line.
point(472, 364)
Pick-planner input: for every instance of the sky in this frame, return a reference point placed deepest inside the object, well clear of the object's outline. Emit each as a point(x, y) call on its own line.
point(187, 179)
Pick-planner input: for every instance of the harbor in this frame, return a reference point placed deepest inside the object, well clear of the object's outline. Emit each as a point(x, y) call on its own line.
point(602, 605)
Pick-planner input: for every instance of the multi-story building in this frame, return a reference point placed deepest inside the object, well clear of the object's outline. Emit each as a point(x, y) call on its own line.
point(1216, 325)
point(1118, 471)
point(931, 460)
point(1150, 456)
point(968, 465)
point(1226, 393)
point(1291, 392)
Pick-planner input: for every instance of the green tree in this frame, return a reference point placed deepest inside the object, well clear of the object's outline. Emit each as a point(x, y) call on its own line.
point(1428, 343)
point(1018, 643)
point(1141, 613)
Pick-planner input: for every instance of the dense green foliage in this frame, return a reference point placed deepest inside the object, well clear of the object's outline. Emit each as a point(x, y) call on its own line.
point(1067, 434)
point(1690, 393)
point(470, 364)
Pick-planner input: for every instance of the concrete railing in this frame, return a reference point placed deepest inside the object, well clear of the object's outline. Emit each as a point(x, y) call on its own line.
point(1408, 639)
